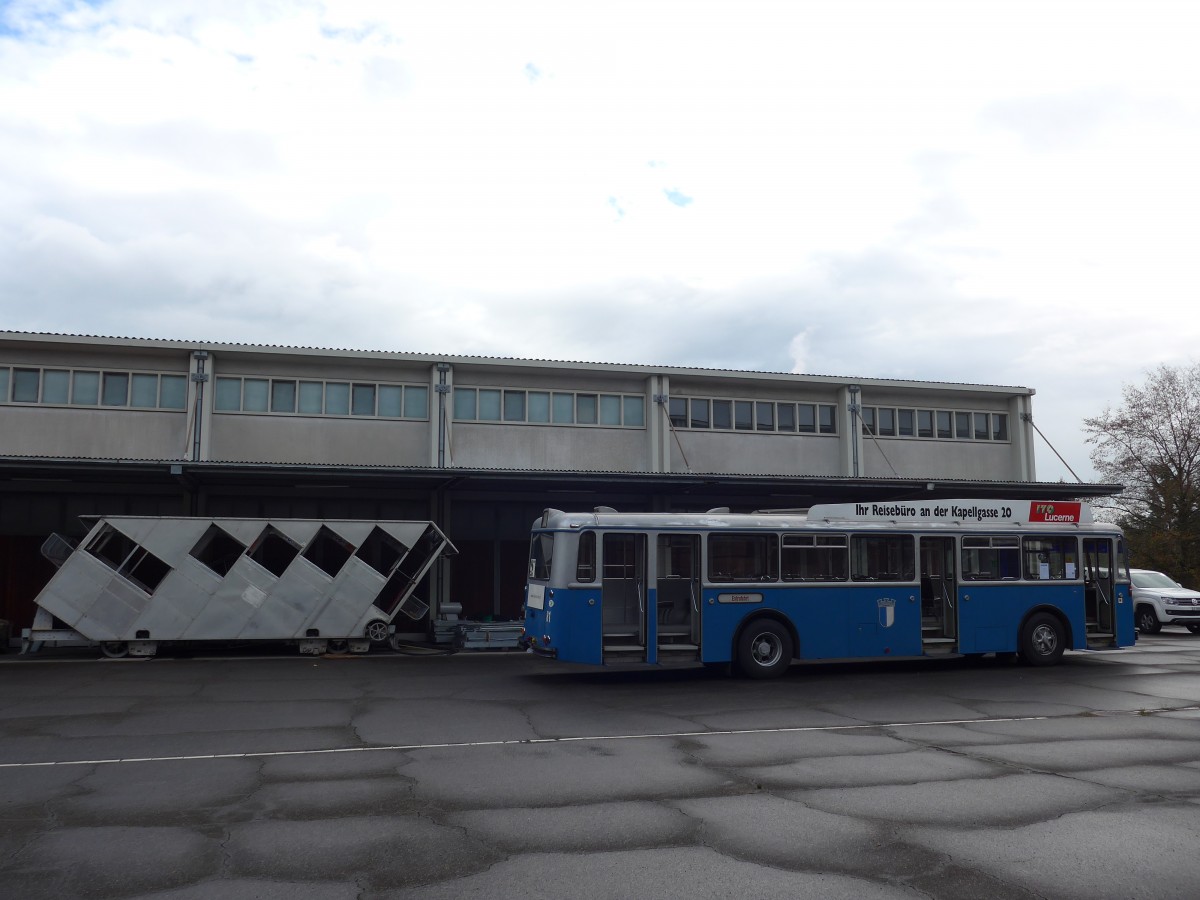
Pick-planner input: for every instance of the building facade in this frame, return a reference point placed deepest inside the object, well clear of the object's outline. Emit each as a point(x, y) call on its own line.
point(96, 425)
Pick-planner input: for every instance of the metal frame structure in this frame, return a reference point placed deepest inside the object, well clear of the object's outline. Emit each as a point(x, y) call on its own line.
point(135, 582)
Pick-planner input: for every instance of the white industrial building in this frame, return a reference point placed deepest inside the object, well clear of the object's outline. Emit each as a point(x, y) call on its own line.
point(130, 426)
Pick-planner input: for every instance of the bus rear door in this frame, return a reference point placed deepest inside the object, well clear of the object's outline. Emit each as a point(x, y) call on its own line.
point(623, 596)
point(676, 598)
point(939, 596)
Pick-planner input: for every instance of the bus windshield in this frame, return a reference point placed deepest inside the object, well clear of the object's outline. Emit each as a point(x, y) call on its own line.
point(541, 556)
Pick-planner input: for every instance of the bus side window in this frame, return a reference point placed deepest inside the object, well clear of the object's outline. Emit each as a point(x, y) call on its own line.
point(990, 558)
point(1051, 558)
point(1008, 558)
point(814, 557)
point(796, 556)
point(743, 557)
point(585, 562)
point(882, 557)
point(974, 558)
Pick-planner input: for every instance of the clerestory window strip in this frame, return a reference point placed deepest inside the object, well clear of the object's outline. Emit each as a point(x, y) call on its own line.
point(71, 387)
point(938, 424)
point(318, 397)
point(548, 407)
point(727, 414)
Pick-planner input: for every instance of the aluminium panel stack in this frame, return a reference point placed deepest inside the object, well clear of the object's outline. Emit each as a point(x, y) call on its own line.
point(144, 580)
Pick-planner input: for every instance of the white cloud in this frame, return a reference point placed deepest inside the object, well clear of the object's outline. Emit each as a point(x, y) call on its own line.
point(986, 192)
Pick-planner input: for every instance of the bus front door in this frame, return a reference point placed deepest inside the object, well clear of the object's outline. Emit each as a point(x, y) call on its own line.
point(623, 597)
point(1099, 573)
point(677, 597)
point(939, 594)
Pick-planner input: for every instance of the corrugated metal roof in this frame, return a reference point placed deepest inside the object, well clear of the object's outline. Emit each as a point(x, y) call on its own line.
point(505, 360)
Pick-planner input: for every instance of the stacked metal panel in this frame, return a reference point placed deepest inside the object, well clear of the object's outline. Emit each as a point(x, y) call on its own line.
point(136, 581)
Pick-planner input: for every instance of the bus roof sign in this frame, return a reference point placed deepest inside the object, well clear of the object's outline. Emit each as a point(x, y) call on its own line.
point(977, 511)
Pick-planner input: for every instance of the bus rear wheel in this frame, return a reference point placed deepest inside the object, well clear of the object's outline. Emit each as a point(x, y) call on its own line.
point(764, 649)
point(1043, 640)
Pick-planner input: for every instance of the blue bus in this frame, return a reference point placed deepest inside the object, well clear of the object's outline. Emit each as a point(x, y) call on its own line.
point(839, 582)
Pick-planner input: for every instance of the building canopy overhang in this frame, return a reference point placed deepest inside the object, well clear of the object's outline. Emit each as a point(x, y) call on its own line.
point(51, 474)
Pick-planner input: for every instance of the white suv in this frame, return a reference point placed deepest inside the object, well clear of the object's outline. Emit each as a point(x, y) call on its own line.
point(1159, 600)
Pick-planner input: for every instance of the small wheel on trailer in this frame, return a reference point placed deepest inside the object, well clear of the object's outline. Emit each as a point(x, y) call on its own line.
point(1194, 627)
point(764, 649)
point(338, 646)
point(1147, 620)
point(1043, 640)
point(115, 649)
point(376, 631)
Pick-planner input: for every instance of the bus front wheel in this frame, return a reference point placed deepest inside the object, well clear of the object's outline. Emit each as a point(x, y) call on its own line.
point(1043, 640)
point(764, 649)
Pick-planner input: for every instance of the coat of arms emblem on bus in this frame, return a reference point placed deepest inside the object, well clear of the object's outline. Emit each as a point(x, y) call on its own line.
point(887, 611)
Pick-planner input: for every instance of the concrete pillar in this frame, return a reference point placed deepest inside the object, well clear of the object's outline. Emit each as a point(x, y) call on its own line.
point(441, 415)
point(1021, 433)
point(850, 431)
point(202, 388)
point(658, 426)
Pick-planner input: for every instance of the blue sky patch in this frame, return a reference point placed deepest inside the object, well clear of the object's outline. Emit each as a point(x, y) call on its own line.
point(677, 197)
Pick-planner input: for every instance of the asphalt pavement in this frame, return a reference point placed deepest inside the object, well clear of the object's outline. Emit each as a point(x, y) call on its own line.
point(504, 775)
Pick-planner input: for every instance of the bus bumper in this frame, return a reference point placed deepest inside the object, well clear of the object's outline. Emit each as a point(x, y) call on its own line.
point(529, 643)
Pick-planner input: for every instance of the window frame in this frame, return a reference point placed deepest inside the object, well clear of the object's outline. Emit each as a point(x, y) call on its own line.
point(98, 388)
point(861, 557)
point(120, 384)
point(1004, 550)
point(548, 407)
point(313, 397)
point(818, 544)
point(1031, 554)
point(67, 387)
point(758, 568)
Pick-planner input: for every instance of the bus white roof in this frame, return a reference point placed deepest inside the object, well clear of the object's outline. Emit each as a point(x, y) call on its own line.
point(959, 512)
point(955, 513)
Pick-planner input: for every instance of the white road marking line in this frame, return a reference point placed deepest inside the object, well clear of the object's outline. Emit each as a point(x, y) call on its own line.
point(516, 743)
point(800, 729)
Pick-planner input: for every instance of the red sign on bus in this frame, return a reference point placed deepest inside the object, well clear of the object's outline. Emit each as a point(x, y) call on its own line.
point(1054, 512)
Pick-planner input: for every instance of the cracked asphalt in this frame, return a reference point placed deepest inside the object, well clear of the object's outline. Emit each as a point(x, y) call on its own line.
point(504, 775)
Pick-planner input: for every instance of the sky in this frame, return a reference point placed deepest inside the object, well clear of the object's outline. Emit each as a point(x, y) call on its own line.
point(982, 192)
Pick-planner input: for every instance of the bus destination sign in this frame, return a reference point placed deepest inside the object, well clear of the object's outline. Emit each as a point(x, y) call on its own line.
point(977, 511)
point(1054, 512)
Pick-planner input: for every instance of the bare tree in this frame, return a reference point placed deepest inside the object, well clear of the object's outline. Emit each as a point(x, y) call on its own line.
point(1151, 444)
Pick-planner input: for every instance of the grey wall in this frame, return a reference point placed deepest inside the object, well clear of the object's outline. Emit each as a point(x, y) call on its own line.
point(103, 432)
